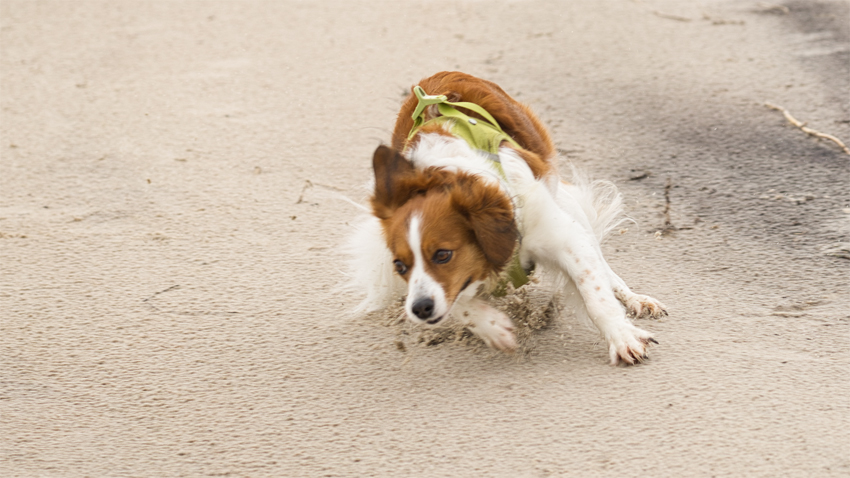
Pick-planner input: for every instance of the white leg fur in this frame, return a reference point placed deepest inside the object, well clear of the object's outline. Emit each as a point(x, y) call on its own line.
point(578, 201)
point(492, 326)
point(560, 236)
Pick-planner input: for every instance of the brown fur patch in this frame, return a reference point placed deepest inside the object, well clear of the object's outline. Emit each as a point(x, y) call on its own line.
point(390, 168)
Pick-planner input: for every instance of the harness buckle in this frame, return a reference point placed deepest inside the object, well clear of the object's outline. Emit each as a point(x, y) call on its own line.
point(425, 100)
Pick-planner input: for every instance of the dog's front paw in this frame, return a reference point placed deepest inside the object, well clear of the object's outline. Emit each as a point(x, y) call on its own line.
point(643, 306)
point(628, 344)
point(495, 329)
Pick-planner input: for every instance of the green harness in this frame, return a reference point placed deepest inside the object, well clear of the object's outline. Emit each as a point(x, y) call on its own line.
point(485, 136)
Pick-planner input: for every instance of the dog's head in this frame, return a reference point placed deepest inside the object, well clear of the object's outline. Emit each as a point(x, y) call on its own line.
point(446, 230)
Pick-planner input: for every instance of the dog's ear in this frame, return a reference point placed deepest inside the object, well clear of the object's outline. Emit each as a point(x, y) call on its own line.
point(390, 167)
point(491, 217)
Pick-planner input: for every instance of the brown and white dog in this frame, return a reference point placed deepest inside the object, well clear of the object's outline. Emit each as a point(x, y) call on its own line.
point(447, 219)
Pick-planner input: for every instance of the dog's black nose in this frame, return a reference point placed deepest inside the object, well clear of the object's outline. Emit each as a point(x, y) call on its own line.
point(423, 308)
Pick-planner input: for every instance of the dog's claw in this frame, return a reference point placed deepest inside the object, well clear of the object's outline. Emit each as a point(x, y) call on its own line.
point(629, 344)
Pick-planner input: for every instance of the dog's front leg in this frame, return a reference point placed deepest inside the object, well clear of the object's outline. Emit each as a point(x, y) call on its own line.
point(559, 241)
point(625, 341)
point(491, 325)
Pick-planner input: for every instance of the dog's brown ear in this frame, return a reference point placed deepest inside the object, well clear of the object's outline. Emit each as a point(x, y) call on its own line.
point(390, 167)
point(491, 217)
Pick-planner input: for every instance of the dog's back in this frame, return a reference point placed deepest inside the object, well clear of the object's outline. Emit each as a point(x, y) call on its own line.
point(515, 118)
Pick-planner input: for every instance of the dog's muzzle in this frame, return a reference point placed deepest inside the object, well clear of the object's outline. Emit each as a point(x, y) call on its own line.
point(424, 309)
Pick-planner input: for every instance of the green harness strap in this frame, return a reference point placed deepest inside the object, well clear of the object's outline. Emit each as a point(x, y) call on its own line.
point(484, 136)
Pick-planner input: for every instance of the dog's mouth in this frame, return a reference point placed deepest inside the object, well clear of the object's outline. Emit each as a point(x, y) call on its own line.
point(434, 320)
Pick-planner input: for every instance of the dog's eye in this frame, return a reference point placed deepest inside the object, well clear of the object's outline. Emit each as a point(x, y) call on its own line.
point(400, 267)
point(442, 256)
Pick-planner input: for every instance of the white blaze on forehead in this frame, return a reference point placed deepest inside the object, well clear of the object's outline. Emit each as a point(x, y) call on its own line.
point(421, 285)
point(414, 240)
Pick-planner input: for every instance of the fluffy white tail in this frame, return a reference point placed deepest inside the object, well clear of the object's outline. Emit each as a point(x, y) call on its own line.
point(600, 200)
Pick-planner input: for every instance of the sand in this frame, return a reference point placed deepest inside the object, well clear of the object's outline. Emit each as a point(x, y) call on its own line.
point(170, 222)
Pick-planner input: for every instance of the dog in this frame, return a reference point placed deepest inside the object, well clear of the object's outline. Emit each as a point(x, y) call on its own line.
point(468, 197)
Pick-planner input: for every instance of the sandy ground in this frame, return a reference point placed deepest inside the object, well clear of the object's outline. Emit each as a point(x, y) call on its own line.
point(167, 270)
